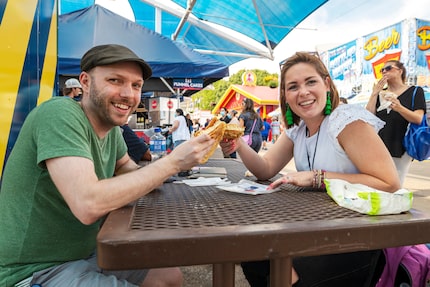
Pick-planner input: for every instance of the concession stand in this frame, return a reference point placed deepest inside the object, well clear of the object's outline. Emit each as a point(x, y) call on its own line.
point(266, 99)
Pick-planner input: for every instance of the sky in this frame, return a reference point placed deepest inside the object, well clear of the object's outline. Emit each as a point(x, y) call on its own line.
point(338, 22)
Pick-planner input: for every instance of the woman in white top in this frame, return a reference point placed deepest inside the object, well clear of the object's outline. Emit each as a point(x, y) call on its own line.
point(179, 130)
point(327, 141)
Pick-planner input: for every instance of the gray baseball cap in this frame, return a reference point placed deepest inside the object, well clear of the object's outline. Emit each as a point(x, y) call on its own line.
point(72, 83)
point(111, 54)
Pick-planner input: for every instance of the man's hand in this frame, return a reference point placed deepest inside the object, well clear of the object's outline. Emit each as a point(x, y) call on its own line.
point(189, 153)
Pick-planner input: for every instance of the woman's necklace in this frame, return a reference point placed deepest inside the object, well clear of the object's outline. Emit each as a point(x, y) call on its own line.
point(311, 167)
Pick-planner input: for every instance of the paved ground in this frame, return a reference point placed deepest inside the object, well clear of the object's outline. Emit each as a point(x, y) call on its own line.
point(418, 181)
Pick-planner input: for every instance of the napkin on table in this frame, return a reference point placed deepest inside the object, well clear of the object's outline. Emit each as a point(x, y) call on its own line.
point(203, 181)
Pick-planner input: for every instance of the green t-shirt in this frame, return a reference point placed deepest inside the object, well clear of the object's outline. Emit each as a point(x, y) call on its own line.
point(37, 228)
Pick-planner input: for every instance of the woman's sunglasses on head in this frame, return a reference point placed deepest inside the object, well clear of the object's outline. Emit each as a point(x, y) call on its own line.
point(388, 68)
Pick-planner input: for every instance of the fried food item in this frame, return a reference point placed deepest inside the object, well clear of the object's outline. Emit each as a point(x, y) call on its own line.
point(216, 131)
point(233, 131)
point(212, 122)
point(219, 130)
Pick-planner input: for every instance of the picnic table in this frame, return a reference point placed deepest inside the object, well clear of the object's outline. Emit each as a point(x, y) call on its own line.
point(179, 225)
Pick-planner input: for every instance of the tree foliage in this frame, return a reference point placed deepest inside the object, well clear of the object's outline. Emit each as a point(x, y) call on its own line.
point(206, 99)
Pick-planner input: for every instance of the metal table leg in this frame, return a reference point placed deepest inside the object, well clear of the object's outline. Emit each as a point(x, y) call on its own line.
point(280, 272)
point(223, 275)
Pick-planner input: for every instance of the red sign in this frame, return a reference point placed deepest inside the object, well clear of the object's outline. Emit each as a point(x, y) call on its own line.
point(428, 60)
point(154, 104)
point(378, 63)
point(170, 104)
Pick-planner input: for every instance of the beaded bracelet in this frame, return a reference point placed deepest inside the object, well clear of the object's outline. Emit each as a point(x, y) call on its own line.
point(322, 179)
point(315, 178)
point(318, 179)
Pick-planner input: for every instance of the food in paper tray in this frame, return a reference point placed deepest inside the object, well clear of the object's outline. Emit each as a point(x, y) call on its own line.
point(247, 187)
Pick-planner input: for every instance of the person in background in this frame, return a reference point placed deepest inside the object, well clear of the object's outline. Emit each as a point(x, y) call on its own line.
point(208, 120)
point(179, 130)
point(265, 133)
point(69, 168)
point(276, 129)
point(252, 122)
point(326, 141)
point(72, 89)
point(224, 115)
point(233, 115)
point(234, 121)
point(393, 105)
point(189, 123)
point(137, 149)
point(196, 125)
point(343, 101)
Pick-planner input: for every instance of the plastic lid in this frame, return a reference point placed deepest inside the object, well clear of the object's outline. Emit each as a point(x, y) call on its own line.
point(157, 130)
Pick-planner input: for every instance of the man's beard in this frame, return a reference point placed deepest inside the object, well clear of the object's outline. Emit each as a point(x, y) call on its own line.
point(102, 107)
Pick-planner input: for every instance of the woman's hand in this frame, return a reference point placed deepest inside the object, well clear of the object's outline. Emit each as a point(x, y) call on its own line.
point(395, 104)
point(300, 178)
point(379, 86)
point(229, 146)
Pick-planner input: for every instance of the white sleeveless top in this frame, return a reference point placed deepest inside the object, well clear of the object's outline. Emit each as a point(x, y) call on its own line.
point(328, 154)
point(182, 132)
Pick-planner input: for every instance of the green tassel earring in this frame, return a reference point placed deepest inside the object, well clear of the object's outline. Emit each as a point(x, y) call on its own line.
point(289, 116)
point(327, 110)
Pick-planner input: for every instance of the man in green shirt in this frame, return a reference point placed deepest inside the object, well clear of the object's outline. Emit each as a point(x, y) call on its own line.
point(59, 181)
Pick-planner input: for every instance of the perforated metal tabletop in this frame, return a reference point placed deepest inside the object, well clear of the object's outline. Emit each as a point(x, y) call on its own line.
point(177, 206)
point(179, 225)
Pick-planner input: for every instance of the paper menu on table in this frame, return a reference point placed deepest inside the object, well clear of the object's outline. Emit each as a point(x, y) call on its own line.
point(203, 181)
point(247, 187)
